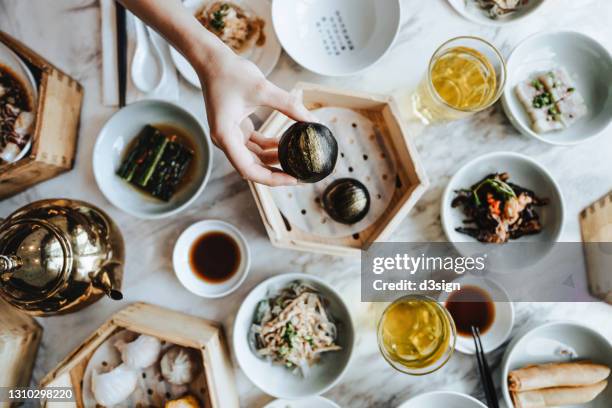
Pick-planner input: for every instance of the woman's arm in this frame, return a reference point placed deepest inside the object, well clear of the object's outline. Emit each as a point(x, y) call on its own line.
point(233, 88)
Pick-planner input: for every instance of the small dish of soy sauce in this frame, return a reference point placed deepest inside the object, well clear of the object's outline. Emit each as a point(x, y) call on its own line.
point(484, 304)
point(211, 258)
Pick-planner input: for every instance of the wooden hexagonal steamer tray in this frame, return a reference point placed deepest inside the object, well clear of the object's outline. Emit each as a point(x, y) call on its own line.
point(304, 226)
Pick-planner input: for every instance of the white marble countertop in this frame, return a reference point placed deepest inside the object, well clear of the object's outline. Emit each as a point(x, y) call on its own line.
point(67, 32)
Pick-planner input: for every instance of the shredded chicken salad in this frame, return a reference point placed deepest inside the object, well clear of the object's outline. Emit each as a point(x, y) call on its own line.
point(293, 328)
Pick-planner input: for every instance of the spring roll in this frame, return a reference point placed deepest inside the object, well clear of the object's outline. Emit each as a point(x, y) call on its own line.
point(557, 375)
point(557, 397)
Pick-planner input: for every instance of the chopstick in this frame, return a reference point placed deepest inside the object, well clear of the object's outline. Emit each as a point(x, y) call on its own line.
point(484, 370)
point(121, 52)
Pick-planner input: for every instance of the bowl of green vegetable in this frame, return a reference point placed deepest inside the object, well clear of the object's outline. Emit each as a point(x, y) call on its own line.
point(152, 159)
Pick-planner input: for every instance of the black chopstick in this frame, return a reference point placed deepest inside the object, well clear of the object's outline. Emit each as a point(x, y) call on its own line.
point(121, 52)
point(484, 370)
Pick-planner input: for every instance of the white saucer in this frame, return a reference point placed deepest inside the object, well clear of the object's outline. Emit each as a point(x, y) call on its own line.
point(265, 57)
point(503, 322)
point(182, 269)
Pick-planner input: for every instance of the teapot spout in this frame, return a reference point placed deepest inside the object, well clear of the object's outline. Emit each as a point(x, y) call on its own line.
point(105, 281)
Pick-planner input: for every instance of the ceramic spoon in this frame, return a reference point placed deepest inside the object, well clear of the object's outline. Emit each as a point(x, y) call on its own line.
point(146, 67)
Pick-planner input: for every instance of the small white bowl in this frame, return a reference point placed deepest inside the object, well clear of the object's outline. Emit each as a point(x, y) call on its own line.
point(589, 64)
point(336, 37)
point(503, 321)
point(276, 380)
point(265, 57)
point(182, 268)
point(525, 172)
point(542, 345)
point(116, 135)
point(448, 399)
point(313, 402)
point(470, 10)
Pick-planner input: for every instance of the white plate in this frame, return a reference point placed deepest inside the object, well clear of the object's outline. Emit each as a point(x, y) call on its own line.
point(336, 37)
point(314, 402)
point(523, 171)
point(503, 322)
point(182, 269)
point(588, 63)
point(265, 57)
point(470, 10)
point(445, 399)
point(542, 345)
point(118, 133)
point(276, 380)
point(9, 59)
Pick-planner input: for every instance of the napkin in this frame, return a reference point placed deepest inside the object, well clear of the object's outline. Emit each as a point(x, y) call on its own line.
point(167, 90)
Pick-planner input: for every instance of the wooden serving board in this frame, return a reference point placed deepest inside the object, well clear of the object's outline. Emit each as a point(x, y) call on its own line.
point(596, 226)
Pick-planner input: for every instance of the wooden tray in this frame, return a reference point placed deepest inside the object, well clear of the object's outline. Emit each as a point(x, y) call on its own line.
point(596, 227)
point(411, 181)
point(19, 339)
point(168, 325)
point(57, 123)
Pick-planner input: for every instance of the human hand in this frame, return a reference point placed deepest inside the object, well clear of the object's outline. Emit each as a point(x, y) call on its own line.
point(233, 89)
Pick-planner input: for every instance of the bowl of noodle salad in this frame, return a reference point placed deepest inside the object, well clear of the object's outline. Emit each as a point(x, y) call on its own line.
point(293, 336)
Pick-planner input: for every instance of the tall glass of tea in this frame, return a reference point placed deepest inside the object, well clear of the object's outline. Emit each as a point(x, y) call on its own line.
point(465, 75)
point(416, 335)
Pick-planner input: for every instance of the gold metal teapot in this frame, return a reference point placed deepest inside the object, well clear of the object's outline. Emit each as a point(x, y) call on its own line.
point(57, 256)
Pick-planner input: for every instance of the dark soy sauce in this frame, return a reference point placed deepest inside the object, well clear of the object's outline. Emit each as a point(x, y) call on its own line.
point(471, 306)
point(214, 257)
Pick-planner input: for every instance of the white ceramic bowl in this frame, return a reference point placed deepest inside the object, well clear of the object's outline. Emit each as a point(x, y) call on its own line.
point(446, 399)
point(589, 64)
point(265, 57)
point(10, 60)
point(115, 137)
point(336, 37)
point(182, 268)
point(541, 345)
point(470, 10)
point(313, 402)
point(502, 325)
point(523, 171)
point(277, 380)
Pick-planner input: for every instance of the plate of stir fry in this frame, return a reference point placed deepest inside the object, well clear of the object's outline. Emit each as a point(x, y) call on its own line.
point(500, 198)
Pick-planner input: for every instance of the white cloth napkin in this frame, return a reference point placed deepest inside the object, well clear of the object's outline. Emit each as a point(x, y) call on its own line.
point(167, 90)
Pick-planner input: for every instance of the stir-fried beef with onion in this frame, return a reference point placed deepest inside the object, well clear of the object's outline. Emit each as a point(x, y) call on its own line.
point(498, 210)
point(293, 328)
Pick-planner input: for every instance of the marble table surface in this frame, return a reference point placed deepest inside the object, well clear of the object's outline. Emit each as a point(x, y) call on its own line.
point(67, 32)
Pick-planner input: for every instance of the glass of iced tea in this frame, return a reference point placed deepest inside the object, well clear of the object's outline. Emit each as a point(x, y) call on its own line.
point(466, 75)
point(416, 335)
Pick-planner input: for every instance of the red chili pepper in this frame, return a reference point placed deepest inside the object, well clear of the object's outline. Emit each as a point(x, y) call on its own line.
point(493, 204)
